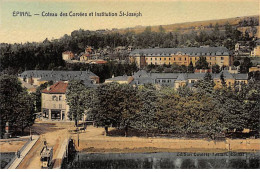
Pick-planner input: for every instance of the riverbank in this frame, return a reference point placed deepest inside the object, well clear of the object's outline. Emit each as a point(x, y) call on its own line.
point(93, 140)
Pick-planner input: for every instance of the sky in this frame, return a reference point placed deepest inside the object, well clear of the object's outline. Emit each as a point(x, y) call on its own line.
point(21, 29)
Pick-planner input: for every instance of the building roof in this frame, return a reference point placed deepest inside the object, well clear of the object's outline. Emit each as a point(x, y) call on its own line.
point(50, 75)
point(182, 77)
point(57, 88)
point(193, 51)
point(143, 77)
point(67, 52)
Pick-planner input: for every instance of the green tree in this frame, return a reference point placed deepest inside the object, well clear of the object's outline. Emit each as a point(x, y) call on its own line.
point(202, 63)
point(146, 120)
point(245, 65)
point(25, 109)
point(223, 81)
point(115, 105)
point(16, 105)
point(191, 68)
point(79, 99)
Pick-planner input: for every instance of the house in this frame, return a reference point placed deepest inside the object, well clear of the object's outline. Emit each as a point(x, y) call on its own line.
point(67, 55)
point(256, 51)
point(54, 105)
point(181, 56)
point(84, 57)
point(254, 69)
point(38, 77)
point(88, 49)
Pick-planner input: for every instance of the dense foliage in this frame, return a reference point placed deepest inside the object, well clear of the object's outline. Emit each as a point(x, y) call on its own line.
point(16, 105)
point(201, 111)
point(48, 54)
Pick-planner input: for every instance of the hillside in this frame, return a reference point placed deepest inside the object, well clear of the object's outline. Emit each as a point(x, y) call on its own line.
point(187, 27)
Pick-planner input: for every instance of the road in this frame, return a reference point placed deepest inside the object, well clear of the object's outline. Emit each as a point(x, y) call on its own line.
point(54, 134)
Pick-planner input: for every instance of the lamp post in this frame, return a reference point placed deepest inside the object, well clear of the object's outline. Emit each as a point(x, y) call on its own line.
point(78, 135)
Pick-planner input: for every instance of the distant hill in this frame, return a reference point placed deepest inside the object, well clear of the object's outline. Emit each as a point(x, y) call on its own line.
point(241, 23)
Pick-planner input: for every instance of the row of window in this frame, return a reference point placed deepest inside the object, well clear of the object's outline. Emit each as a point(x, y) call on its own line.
point(180, 58)
point(54, 106)
point(163, 81)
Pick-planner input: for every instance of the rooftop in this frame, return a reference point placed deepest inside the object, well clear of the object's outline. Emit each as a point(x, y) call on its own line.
point(58, 88)
point(186, 51)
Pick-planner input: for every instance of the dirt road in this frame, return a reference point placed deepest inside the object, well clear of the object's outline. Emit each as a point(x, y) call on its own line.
point(54, 134)
point(94, 140)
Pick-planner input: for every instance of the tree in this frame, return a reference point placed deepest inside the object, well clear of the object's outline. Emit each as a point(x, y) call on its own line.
point(79, 100)
point(161, 29)
point(202, 63)
point(223, 82)
point(236, 63)
point(146, 120)
point(26, 110)
point(245, 65)
point(16, 105)
point(206, 85)
point(38, 101)
point(215, 68)
point(115, 105)
point(191, 68)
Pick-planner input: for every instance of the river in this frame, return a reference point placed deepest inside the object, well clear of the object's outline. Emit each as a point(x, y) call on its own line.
point(230, 160)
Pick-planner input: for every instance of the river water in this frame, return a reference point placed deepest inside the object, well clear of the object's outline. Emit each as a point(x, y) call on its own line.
point(231, 160)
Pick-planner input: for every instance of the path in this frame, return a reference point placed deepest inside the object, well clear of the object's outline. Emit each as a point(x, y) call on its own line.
point(24, 152)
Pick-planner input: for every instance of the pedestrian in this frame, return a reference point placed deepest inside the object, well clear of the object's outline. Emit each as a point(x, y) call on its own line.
point(18, 154)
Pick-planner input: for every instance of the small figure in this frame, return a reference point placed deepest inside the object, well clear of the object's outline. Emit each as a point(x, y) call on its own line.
point(18, 154)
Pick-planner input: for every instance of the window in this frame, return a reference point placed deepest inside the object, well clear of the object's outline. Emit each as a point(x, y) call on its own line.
point(60, 98)
point(222, 58)
point(60, 106)
point(185, 58)
point(160, 58)
point(180, 58)
point(54, 98)
point(174, 58)
point(210, 58)
point(54, 106)
point(155, 58)
point(151, 58)
point(215, 58)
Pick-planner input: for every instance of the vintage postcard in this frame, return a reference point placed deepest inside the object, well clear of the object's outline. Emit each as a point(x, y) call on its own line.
point(129, 84)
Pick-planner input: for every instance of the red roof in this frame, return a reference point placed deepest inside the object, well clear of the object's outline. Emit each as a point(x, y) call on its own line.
point(59, 87)
point(101, 62)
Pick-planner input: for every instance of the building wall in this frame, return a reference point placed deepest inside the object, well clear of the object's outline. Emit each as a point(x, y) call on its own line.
point(254, 69)
point(256, 51)
point(67, 55)
point(56, 102)
point(181, 60)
